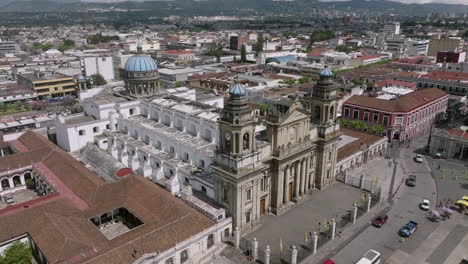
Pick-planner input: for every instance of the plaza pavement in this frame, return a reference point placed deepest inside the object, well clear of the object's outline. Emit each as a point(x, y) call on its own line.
point(290, 227)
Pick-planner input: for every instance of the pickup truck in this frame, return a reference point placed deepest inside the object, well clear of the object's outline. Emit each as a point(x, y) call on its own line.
point(408, 229)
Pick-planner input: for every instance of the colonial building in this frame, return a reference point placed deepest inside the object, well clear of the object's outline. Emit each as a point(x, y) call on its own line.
point(450, 144)
point(404, 117)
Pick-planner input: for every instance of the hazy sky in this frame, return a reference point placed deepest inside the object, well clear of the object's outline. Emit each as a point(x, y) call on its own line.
point(421, 1)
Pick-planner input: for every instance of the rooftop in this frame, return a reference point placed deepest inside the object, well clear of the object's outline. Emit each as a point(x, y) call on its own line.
point(56, 220)
point(405, 103)
point(353, 141)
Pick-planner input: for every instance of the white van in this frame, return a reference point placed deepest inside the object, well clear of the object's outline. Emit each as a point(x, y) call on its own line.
point(371, 257)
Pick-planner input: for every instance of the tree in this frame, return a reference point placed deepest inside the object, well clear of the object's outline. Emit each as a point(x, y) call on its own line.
point(303, 80)
point(69, 42)
point(178, 84)
point(259, 44)
point(63, 48)
point(17, 253)
point(320, 35)
point(243, 54)
point(376, 129)
point(343, 48)
point(30, 184)
point(98, 79)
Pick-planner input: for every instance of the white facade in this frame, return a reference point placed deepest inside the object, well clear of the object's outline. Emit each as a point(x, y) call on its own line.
point(99, 64)
point(418, 47)
point(393, 28)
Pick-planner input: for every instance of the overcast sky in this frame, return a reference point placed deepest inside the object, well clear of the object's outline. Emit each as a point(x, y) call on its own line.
point(421, 1)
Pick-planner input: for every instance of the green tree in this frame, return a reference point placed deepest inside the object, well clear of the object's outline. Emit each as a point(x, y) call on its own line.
point(303, 80)
point(63, 48)
point(343, 48)
point(44, 47)
point(376, 129)
point(288, 82)
point(259, 45)
point(98, 79)
point(17, 253)
point(320, 35)
point(356, 81)
point(69, 42)
point(344, 122)
point(178, 84)
point(243, 54)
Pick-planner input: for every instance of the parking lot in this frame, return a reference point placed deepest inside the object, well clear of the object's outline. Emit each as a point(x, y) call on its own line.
point(20, 197)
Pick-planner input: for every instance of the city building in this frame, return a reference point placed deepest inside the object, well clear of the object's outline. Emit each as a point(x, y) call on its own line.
point(96, 220)
point(12, 93)
point(102, 65)
point(398, 46)
point(448, 81)
point(178, 55)
point(461, 67)
point(403, 117)
point(46, 86)
point(9, 47)
point(437, 44)
point(417, 47)
point(235, 42)
point(451, 56)
point(450, 144)
point(393, 28)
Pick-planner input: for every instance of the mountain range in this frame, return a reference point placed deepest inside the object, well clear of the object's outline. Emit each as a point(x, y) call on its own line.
point(217, 6)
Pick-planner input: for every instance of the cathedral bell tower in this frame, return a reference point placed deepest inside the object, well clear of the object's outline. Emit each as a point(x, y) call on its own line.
point(324, 105)
point(238, 167)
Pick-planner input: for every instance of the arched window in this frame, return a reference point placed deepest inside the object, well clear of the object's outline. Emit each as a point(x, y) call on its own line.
point(5, 184)
point(332, 111)
point(246, 141)
point(317, 112)
point(236, 142)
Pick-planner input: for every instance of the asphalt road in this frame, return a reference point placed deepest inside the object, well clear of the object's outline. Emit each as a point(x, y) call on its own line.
point(405, 208)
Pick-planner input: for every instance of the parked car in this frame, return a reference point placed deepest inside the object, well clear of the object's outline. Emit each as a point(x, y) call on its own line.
point(411, 181)
point(329, 261)
point(418, 158)
point(8, 198)
point(408, 229)
point(425, 204)
point(379, 221)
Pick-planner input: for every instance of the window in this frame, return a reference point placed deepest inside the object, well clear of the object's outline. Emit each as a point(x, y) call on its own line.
point(186, 180)
point(183, 256)
point(366, 116)
point(346, 112)
point(247, 216)
point(329, 155)
point(399, 121)
point(169, 261)
point(375, 118)
point(249, 194)
point(103, 59)
point(107, 126)
point(131, 111)
point(225, 194)
point(385, 120)
point(81, 132)
point(210, 241)
point(356, 114)
point(95, 129)
point(203, 189)
point(202, 163)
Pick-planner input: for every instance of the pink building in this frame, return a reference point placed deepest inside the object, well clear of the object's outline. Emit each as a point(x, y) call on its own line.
point(403, 117)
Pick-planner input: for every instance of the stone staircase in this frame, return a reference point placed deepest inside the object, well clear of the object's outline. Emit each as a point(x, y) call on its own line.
point(231, 255)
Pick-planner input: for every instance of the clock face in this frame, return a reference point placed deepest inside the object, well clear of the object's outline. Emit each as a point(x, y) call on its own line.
point(228, 136)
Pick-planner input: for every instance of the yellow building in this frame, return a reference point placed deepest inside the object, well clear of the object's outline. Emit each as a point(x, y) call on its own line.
point(55, 85)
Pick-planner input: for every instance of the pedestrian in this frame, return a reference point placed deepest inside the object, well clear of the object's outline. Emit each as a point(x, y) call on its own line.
point(439, 166)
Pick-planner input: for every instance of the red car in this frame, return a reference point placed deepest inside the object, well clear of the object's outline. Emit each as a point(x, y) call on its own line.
point(379, 221)
point(329, 261)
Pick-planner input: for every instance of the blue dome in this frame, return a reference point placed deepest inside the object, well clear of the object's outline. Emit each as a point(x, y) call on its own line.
point(140, 63)
point(326, 72)
point(237, 89)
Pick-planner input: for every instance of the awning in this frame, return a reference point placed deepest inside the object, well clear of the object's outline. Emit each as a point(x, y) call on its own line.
point(435, 213)
point(462, 202)
point(447, 210)
point(465, 198)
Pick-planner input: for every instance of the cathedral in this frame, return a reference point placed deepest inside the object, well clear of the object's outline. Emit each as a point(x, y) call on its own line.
point(270, 171)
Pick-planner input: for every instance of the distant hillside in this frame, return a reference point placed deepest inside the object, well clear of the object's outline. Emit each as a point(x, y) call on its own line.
point(231, 6)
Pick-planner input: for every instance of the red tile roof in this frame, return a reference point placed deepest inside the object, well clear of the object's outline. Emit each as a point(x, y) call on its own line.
point(177, 52)
point(447, 76)
point(405, 103)
point(458, 133)
point(61, 228)
point(367, 57)
point(395, 82)
point(316, 52)
point(353, 147)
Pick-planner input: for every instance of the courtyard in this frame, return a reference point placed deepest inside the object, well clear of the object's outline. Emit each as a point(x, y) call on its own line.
point(20, 197)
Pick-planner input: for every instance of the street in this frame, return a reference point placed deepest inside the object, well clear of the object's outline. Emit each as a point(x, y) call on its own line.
point(433, 242)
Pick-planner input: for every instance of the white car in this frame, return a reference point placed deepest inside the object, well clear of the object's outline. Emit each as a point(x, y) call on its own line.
point(418, 158)
point(425, 204)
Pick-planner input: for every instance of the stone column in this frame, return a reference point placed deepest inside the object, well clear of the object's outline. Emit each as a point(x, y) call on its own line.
point(267, 254)
point(11, 183)
point(303, 176)
point(236, 237)
point(361, 182)
point(333, 228)
point(297, 179)
point(294, 255)
point(369, 198)
point(286, 185)
point(307, 183)
point(255, 249)
point(279, 194)
point(315, 241)
point(354, 212)
point(23, 182)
